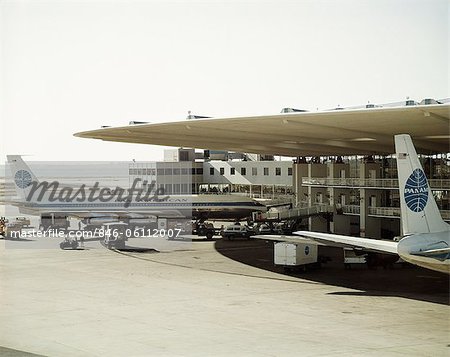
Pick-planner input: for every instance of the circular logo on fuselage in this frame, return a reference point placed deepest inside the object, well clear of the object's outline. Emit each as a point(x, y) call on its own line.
point(416, 191)
point(22, 178)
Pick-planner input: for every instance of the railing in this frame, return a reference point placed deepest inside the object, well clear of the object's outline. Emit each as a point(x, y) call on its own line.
point(384, 211)
point(439, 183)
point(316, 209)
point(280, 201)
point(436, 184)
point(267, 196)
point(445, 215)
point(294, 213)
point(350, 209)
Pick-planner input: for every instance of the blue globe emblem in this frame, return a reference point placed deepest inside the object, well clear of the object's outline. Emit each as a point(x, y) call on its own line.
point(22, 178)
point(416, 191)
point(306, 250)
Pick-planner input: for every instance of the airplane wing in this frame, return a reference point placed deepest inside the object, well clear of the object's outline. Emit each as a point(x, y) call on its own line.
point(335, 240)
point(373, 245)
point(288, 239)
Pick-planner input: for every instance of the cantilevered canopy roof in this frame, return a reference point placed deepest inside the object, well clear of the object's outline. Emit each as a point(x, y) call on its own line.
point(336, 132)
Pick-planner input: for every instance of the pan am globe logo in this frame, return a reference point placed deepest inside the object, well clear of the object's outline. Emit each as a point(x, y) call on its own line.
point(23, 179)
point(416, 191)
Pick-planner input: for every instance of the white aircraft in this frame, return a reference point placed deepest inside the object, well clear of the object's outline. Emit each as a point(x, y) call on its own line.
point(426, 237)
point(82, 203)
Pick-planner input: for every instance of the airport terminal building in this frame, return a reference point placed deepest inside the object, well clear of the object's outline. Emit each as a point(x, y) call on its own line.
point(341, 166)
point(354, 195)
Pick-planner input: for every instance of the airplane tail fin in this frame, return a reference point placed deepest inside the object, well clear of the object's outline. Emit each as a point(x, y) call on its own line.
point(22, 176)
point(419, 211)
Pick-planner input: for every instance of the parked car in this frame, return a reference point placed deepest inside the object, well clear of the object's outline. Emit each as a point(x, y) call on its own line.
point(237, 231)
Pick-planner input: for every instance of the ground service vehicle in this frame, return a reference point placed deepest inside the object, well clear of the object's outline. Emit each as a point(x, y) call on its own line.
point(237, 231)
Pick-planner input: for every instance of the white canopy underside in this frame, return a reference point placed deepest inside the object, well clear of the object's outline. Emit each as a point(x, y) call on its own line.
point(337, 132)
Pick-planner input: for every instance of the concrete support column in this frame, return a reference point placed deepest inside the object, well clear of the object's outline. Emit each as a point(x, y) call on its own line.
point(363, 205)
point(362, 202)
point(299, 171)
point(368, 172)
point(331, 173)
point(317, 224)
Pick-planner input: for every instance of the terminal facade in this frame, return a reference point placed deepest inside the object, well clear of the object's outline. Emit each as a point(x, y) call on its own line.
point(358, 195)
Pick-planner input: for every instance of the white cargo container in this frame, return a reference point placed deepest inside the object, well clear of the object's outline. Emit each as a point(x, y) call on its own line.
point(295, 254)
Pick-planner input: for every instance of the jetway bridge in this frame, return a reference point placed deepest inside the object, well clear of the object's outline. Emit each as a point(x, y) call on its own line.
point(294, 213)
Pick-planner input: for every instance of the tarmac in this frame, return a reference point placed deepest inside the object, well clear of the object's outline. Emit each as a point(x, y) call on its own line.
point(212, 298)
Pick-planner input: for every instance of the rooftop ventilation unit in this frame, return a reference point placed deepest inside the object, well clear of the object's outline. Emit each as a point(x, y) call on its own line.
point(428, 101)
point(138, 122)
point(192, 116)
point(292, 110)
point(410, 102)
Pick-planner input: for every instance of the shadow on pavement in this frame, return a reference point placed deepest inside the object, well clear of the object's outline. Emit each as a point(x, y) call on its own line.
point(401, 281)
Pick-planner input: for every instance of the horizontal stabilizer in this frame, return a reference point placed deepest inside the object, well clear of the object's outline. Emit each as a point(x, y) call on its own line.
point(432, 252)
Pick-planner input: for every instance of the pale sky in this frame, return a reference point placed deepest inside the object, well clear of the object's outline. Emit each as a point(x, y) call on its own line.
point(69, 66)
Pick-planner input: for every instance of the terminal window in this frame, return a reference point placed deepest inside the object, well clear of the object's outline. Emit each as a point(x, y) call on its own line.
point(232, 171)
point(211, 171)
point(266, 171)
point(243, 171)
point(289, 171)
point(278, 171)
point(222, 171)
point(254, 171)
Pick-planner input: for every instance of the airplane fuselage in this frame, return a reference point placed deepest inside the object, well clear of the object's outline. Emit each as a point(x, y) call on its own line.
point(196, 206)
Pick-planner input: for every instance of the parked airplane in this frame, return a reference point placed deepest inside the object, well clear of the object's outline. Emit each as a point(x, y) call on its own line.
point(50, 201)
point(426, 237)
